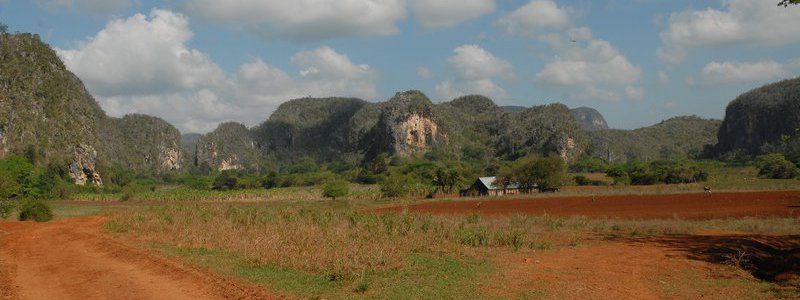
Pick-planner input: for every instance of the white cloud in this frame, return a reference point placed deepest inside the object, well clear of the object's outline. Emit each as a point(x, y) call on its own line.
point(534, 17)
point(95, 7)
point(598, 69)
point(740, 22)
point(472, 62)
point(141, 54)
point(424, 73)
point(304, 20)
point(737, 72)
point(475, 70)
point(449, 13)
point(142, 64)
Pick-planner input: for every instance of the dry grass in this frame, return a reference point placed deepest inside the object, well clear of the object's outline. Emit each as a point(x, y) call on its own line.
point(344, 241)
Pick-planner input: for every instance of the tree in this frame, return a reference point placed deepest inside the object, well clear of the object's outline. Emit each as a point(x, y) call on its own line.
point(776, 166)
point(395, 185)
point(3, 28)
point(446, 178)
point(532, 171)
point(785, 3)
point(335, 188)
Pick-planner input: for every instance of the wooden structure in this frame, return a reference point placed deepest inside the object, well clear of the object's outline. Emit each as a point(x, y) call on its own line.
point(486, 186)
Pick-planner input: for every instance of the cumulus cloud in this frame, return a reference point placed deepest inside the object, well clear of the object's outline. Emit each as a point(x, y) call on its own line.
point(738, 72)
point(740, 22)
point(534, 17)
point(597, 68)
point(95, 7)
point(142, 64)
point(475, 70)
point(303, 20)
point(449, 13)
point(139, 55)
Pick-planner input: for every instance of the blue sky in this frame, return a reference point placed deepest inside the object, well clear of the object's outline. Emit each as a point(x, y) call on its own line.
point(197, 63)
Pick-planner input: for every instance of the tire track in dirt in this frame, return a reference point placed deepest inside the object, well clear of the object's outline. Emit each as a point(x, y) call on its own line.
point(75, 259)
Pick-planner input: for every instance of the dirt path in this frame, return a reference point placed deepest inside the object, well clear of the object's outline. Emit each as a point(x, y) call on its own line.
point(75, 259)
point(687, 206)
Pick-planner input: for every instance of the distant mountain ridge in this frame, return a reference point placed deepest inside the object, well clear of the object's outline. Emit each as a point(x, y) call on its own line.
point(46, 112)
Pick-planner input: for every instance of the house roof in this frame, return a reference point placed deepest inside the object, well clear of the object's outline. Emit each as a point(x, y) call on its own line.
point(488, 182)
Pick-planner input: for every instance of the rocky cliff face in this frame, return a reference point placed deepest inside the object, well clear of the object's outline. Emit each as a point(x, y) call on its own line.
point(229, 147)
point(756, 121)
point(83, 169)
point(406, 126)
point(589, 118)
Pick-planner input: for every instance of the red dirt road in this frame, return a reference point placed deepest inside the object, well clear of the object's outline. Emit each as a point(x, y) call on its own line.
point(686, 206)
point(75, 259)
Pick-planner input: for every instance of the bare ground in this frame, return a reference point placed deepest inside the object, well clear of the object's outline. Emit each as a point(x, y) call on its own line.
point(75, 259)
point(687, 206)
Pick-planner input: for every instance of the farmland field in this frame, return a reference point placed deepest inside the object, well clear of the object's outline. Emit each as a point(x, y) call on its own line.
point(728, 245)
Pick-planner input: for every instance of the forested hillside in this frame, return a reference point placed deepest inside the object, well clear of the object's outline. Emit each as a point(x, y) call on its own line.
point(679, 137)
point(762, 120)
point(47, 115)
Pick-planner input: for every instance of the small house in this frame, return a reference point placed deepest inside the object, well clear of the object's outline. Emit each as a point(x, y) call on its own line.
point(487, 186)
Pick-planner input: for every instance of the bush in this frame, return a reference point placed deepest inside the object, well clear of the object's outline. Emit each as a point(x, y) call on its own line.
point(225, 181)
point(776, 166)
point(6, 208)
point(395, 185)
point(335, 188)
point(35, 210)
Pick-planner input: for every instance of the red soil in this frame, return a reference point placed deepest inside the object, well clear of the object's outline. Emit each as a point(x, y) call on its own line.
point(75, 259)
point(685, 206)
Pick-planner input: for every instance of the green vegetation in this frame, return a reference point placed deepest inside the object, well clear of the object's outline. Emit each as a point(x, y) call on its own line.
point(534, 172)
point(35, 210)
point(662, 171)
point(776, 166)
point(676, 138)
point(335, 188)
point(758, 121)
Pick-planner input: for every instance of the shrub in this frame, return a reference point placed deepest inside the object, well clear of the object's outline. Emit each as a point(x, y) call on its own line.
point(776, 166)
point(6, 207)
point(224, 181)
point(395, 185)
point(335, 188)
point(35, 210)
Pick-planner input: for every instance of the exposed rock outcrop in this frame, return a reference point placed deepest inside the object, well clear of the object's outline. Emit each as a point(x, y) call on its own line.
point(407, 127)
point(83, 169)
point(589, 118)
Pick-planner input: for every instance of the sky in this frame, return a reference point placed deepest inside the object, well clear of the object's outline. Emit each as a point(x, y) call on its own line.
point(198, 63)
